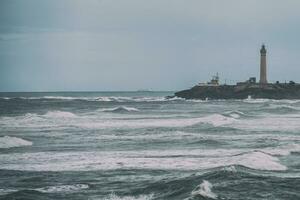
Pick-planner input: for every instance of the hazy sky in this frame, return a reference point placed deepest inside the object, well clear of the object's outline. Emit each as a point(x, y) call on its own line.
point(54, 45)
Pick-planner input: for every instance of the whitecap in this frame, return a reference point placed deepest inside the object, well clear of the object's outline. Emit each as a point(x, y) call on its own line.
point(204, 190)
point(59, 114)
point(231, 168)
point(140, 197)
point(7, 191)
point(61, 97)
point(9, 142)
point(120, 109)
point(5, 98)
point(62, 188)
point(256, 101)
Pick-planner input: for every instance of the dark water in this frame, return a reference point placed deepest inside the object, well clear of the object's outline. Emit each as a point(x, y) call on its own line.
point(139, 145)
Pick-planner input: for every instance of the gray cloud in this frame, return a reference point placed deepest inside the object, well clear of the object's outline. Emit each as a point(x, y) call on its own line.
point(133, 44)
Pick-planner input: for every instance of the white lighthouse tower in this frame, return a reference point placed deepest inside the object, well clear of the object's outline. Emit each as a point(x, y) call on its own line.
point(263, 65)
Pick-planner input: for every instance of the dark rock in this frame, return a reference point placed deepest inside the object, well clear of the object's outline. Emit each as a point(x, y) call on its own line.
point(269, 91)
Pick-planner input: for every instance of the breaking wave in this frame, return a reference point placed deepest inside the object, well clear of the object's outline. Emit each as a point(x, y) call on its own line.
point(204, 190)
point(9, 142)
point(158, 160)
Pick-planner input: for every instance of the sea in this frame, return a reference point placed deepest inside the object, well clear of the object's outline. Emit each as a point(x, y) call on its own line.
point(144, 146)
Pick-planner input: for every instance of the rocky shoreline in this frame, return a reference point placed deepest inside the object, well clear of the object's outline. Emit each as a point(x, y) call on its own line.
point(269, 91)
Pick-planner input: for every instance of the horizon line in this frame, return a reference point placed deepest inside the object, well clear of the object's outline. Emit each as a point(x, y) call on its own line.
point(87, 91)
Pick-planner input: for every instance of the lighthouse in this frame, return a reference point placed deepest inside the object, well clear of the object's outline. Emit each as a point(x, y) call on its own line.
point(263, 65)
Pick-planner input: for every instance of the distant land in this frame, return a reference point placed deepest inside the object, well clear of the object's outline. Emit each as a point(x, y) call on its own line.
point(247, 89)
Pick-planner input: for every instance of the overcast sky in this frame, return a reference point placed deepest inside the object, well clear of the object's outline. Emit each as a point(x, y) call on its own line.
point(100, 45)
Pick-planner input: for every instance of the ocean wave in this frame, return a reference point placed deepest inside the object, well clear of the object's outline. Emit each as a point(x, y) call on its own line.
point(120, 109)
point(214, 120)
point(159, 160)
point(62, 188)
point(234, 119)
point(9, 142)
point(204, 190)
point(140, 197)
point(53, 119)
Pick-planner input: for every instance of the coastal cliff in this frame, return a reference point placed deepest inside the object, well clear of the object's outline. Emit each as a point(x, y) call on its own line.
point(269, 91)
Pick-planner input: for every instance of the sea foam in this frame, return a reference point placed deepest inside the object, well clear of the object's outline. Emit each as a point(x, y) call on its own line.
point(9, 142)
